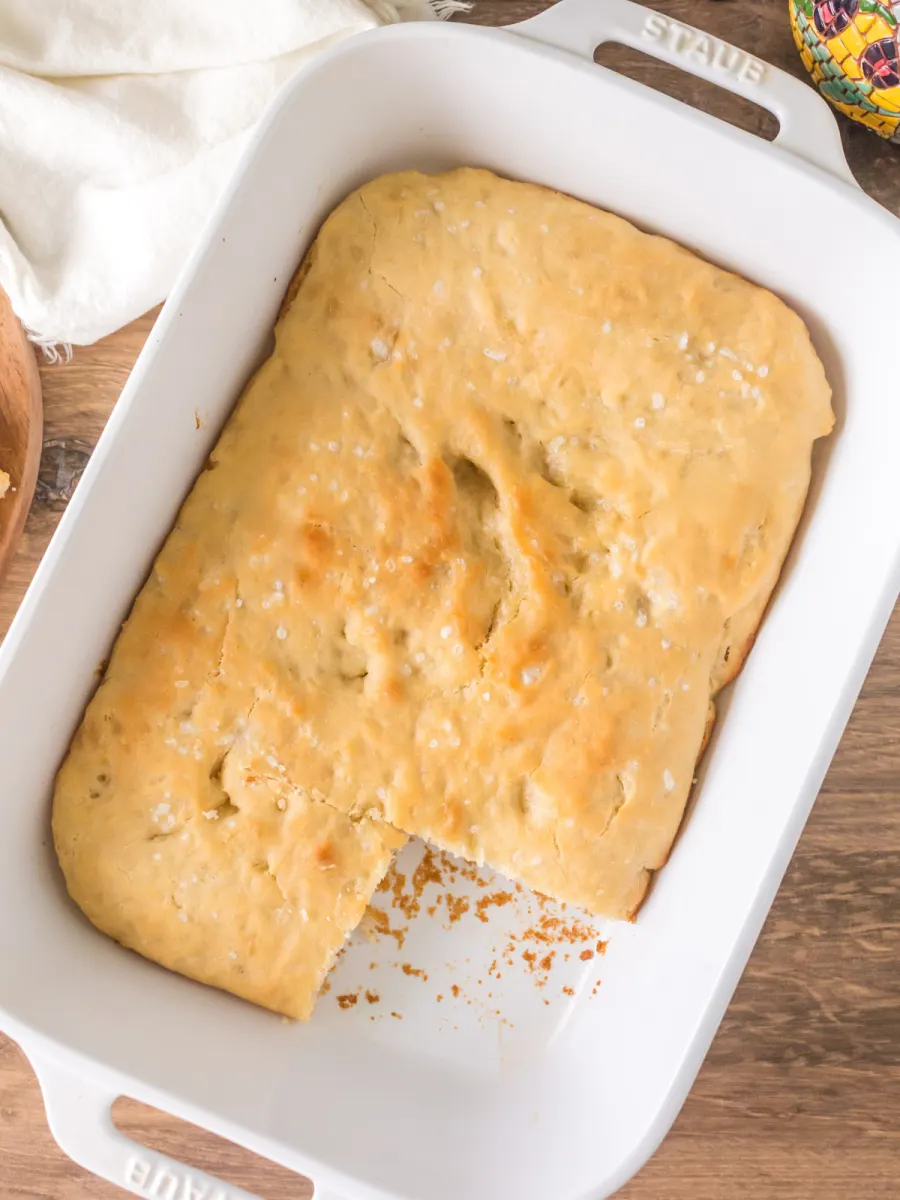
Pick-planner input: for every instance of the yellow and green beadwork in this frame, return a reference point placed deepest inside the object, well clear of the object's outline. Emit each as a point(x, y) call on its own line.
point(850, 48)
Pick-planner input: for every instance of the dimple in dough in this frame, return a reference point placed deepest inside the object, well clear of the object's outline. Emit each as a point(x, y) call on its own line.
point(478, 547)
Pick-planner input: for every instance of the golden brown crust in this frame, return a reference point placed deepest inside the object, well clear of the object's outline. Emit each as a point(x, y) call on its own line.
point(478, 537)
point(294, 286)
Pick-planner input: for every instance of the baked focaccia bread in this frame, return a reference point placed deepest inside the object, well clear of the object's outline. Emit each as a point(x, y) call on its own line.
point(478, 547)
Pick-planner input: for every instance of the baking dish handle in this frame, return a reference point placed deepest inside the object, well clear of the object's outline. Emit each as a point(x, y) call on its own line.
point(80, 1118)
point(808, 128)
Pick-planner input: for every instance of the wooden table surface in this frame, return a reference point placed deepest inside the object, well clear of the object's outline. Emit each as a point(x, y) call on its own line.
point(799, 1098)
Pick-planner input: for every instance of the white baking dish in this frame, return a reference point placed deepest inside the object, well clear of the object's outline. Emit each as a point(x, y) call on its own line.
point(572, 1101)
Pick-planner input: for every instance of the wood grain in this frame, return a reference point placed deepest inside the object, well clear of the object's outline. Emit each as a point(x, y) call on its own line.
point(799, 1098)
point(78, 398)
point(20, 429)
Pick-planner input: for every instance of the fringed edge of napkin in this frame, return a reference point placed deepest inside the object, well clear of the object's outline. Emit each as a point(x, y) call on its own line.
point(54, 352)
point(394, 11)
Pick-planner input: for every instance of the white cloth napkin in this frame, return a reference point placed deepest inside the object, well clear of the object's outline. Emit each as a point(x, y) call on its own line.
point(119, 125)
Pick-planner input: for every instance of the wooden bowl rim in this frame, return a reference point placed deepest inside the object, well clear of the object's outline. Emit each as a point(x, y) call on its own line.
point(16, 346)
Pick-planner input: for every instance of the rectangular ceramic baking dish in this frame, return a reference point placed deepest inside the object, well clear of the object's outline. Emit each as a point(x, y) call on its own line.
point(567, 1100)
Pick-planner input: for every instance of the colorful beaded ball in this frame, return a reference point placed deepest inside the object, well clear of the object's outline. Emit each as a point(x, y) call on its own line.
point(850, 47)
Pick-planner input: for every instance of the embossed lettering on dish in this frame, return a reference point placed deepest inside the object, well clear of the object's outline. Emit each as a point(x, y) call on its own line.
point(702, 50)
point(161, 1183)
